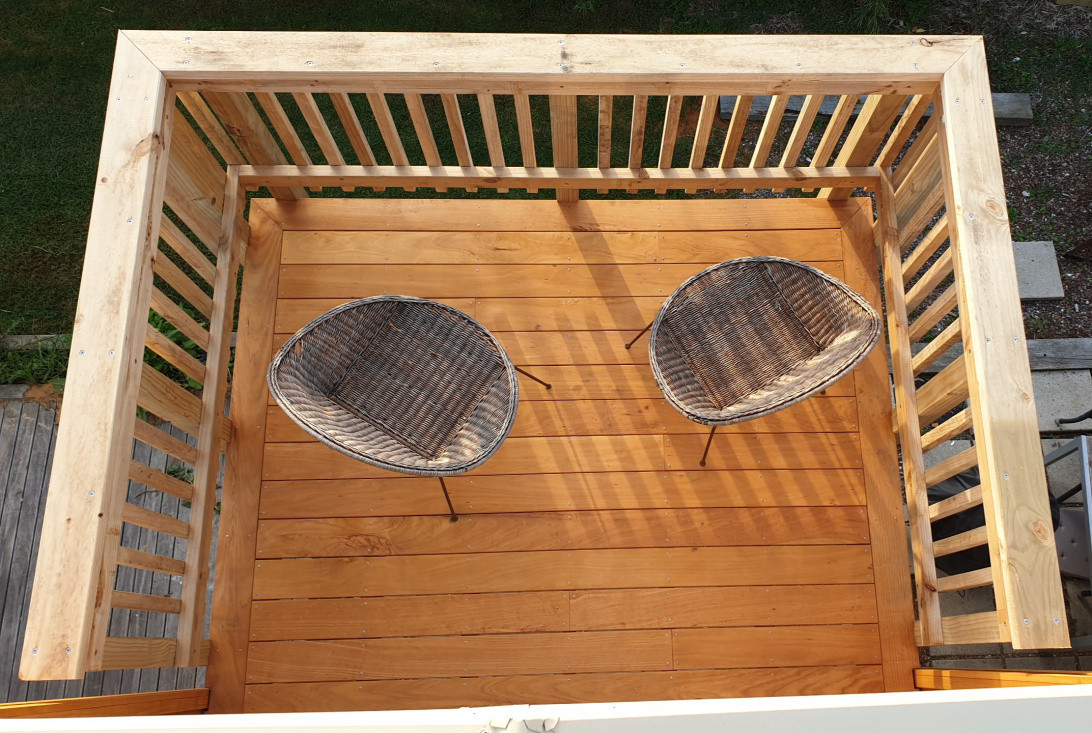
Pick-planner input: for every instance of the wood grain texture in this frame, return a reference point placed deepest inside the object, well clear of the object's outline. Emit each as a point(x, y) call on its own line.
point(544, 689)
point(518, 571)
point(780, 646)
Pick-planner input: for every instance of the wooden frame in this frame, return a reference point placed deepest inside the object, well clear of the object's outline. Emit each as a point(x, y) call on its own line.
point(156, 168)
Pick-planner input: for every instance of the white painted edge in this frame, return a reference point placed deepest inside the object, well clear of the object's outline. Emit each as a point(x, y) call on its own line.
point(1015, 709)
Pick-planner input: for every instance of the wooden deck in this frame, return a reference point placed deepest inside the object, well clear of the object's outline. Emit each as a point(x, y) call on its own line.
point(595, 559)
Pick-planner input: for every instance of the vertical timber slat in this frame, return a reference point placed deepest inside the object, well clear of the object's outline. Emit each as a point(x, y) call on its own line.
point(563, 136)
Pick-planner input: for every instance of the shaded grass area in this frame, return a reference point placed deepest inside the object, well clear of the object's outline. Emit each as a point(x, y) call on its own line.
point(55, 59)
point(38, 365)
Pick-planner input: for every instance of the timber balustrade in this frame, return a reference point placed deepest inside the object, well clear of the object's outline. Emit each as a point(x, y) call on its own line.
point(195, 119)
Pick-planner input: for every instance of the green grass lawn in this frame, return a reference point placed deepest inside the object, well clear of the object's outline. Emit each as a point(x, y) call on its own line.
point(55, 59)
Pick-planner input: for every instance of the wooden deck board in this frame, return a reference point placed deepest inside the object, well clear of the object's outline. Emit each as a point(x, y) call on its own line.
point(594, 559)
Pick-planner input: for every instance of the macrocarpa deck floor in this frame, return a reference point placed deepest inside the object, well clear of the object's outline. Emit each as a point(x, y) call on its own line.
point(594, 560)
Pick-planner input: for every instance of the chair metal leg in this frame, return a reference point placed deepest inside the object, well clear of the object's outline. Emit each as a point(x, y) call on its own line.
point(454, 516)
point(642, 333)
point(707, 444)
point(527, 374)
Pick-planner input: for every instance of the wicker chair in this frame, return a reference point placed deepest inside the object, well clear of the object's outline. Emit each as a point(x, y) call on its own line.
point(401, 383)
point(752, 336)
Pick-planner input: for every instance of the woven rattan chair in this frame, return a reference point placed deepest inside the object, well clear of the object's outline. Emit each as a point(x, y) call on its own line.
point(401, 383)
point(752, 336)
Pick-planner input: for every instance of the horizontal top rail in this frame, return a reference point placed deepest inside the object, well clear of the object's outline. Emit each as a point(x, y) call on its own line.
point(551, 62)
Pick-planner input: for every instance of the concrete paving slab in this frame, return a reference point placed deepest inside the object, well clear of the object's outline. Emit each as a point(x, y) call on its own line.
point(1037, 271)
point(1064, 474)
point(944, 451)
point(1059, 394)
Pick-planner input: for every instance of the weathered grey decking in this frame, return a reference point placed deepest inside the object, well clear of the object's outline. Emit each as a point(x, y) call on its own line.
point(27, 436)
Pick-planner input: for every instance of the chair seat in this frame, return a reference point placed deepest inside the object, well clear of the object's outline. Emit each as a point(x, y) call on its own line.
point(401, 383)
point(751, 336)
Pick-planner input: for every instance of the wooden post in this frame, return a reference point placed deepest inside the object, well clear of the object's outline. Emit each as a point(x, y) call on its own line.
point(70, 603)
point(1025, 562)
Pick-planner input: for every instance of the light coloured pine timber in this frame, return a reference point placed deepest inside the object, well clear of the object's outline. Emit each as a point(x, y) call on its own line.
point(546, 216)
point(343, 105)
point(802, 450)
point(405, 496)
point(561, 248)
point(903, 129)
point(423, 129)
point(922, 142)
point(377, 536)
point(164, 441)
point(387, 128)
point(1023, 555)
point(628, 179)
point(965, 581)
point(564, 139)
point(916, 195)
point(947, 430)
point(879, 455)
point(142, 602)
point(833, 132)
point(975, 628)
point(525, 124)
point(181, 283)
point(174, 354)
point(751, 64)
point(768, 133)
point(923, 252)
point(708, 114)
point(181, 320)
point(405, 616)
point(444, 656)
point(970, 679)
point(165, 399)
point(251, 135)
point(872, 126)
point(800, 131)
point(150, 561)
point(934, 314)
point(735, 131)
point(958, 463)
point(141, 517)
point(286, 131)
point(678, 608)
point(160, 481)
point(91, 457)
point(670, 130)
point(958, 543)
point(638, 121)
point(491, 281)
point(167, 702)
point(207, 469)
point(606, 131)
point(492, 130)
point(192, 173)
point(907, 420)
point(930, 280)
point(943, 392)
point(776, 646)
point(122, 652)
point(316, 123)
point(229, 628)
point(647, 416)
point(962, 501)
point(187, 250)
point(206, 120)
point(937, 348)
point(581, 569)
point(457, 128)
point(545, 689)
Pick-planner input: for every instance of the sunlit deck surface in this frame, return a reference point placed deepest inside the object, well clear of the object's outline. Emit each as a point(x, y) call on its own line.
point(594, 560)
